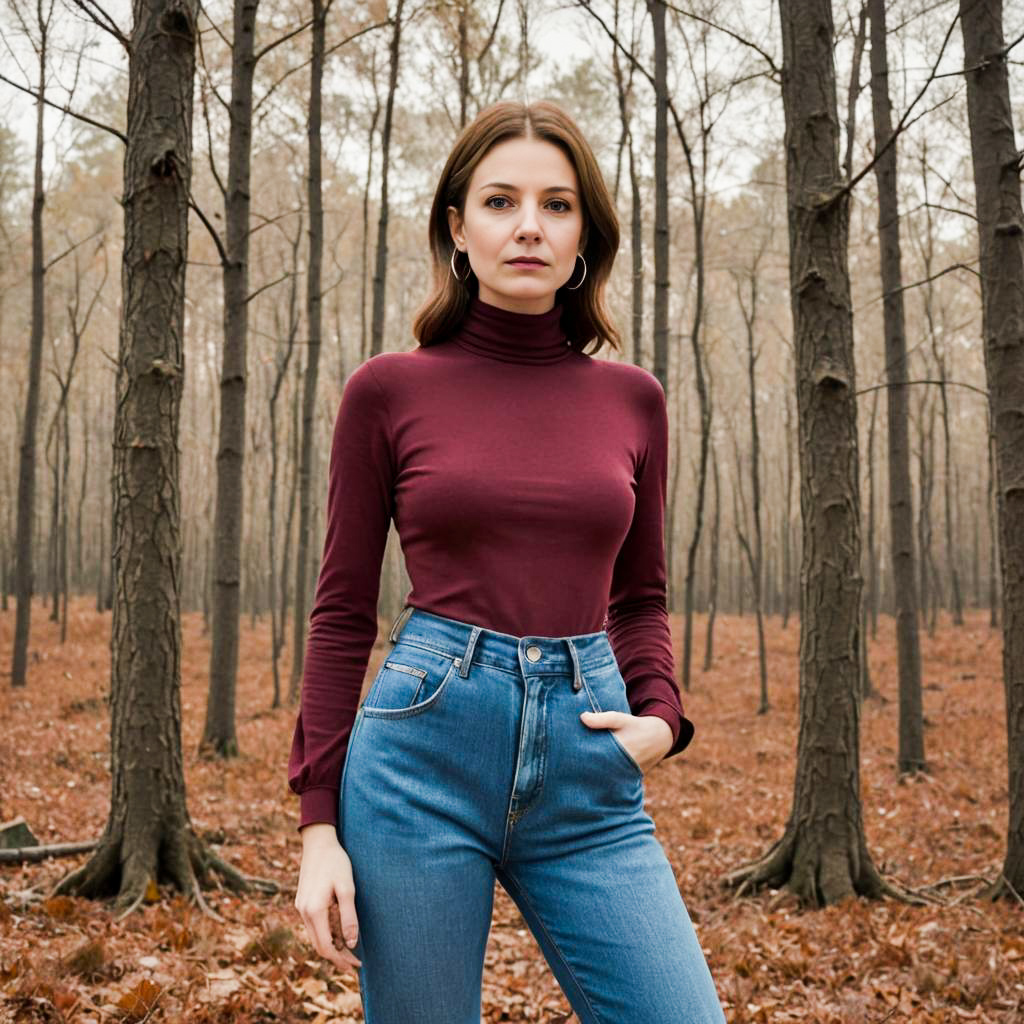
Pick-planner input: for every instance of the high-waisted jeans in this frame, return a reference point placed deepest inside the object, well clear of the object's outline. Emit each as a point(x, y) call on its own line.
point(467, 762)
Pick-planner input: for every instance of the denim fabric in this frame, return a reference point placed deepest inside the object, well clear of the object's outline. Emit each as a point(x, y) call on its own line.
point(468, 762)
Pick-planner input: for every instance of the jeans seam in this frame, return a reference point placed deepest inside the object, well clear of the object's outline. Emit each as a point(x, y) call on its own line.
point(554, 945)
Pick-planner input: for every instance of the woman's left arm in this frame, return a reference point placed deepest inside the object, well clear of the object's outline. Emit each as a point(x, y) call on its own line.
point(638, 623)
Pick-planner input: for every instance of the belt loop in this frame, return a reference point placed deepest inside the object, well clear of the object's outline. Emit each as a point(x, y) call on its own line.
point(467, 657)
point(399, 623)
point(577, 676)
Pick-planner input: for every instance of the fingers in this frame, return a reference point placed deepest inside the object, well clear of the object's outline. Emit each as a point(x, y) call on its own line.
point(319, 929)
point(604, 719)
point(349, 921)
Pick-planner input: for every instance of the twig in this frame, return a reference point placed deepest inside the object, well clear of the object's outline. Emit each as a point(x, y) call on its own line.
point(65, 109)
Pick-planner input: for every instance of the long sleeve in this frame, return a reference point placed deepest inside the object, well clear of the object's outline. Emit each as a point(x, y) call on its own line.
point(343, 620)
point(637, 622)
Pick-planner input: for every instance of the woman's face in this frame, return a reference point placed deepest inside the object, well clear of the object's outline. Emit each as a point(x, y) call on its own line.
point(522, 201)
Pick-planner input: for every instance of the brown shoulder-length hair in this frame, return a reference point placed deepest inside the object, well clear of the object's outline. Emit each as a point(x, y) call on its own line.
point(585, 316)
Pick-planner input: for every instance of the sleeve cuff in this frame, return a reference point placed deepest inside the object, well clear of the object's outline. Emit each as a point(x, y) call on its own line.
point(318, 804)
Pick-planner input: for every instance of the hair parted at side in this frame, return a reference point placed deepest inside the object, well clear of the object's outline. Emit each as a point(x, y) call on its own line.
point(585, 316)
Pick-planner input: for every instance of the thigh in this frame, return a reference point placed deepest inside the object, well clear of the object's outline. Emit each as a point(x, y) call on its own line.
point(422, 936)
point(424, 881)
point(613, 926)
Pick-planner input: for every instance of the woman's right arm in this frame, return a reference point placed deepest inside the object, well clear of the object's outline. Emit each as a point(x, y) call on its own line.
point(342, 631)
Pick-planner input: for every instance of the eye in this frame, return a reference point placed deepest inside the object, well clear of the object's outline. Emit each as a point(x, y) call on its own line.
point(565, 205)
point(493, 198)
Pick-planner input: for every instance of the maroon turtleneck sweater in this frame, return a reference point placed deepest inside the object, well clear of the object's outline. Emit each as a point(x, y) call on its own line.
point(527, 483)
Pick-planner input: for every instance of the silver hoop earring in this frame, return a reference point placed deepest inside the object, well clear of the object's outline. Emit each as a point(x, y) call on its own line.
point(468, 269)
point(582, 279)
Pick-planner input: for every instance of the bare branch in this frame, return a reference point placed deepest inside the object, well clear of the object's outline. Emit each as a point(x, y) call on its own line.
point(95, 13)
point(298, 67)
point(765, 56)
point(270, 284)
point(942, 383)
point(904, 123)
point(282, 39)
point(65, 109)
point(73, 247)
point(209, 227)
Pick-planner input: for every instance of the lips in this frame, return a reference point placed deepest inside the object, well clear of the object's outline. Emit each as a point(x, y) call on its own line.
point(527, 259)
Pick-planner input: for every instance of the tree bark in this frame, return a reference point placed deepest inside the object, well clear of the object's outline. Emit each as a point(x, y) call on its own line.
point(148, 838)
point(911, 756)
point(381, 268)
point(716, 524)
point(997, 166)
point(755, 554)
point(314, 199)
point(822, 855)
point(219, 735)
point(282, 360)
point(24, 547)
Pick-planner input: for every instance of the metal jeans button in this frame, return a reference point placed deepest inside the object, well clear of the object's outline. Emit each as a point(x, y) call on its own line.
point(533, 652)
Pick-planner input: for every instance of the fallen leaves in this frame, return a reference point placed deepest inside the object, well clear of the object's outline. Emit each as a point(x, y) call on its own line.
point(720, 804)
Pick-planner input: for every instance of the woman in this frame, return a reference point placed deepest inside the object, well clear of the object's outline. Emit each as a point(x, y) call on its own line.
point(530, 686)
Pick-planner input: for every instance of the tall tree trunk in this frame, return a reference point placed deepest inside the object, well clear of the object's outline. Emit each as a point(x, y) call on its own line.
point(924, 527)
point(997, 166)
point(755, 555)
point(822, 855)
point(281, 364)
point(787, 522)
point(716, 529)
point(24, 547)
point(871, 595)
point(901, 505)
point(148, 838)
point(871, 556)
point(219, 735)
point(80, 508)
point(365, 268)
point(381, 270)
point(624, 87)
point(928, 249)
point(993, 531)
point(661, 226)
point(314, 199)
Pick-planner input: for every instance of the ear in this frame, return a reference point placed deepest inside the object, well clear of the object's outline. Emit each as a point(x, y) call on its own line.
point(455, 227)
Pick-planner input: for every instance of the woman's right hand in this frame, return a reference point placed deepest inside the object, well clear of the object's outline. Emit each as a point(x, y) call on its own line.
point(325, 875)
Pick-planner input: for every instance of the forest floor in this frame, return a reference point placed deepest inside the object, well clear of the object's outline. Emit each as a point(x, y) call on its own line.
point(717, 806)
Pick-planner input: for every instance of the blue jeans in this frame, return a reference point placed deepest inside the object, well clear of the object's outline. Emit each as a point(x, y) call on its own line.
point(468, 762)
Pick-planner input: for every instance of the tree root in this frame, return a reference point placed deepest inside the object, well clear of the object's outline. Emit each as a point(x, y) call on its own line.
point(813, 875)
point(1002, 888)
point(175, 855)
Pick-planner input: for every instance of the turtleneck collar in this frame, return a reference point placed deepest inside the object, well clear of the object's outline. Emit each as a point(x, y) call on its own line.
point(513, 337)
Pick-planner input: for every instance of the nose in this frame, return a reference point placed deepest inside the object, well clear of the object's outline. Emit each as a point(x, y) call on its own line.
point(529, 226)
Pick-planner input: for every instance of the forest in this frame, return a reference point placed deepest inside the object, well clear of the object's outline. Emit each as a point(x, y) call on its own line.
point(212, 213)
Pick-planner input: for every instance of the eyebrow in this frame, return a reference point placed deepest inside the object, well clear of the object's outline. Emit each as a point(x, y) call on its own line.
point(515, 188)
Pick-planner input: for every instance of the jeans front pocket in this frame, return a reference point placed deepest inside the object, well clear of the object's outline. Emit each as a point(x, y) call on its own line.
point(607, 692)
point(411, 681)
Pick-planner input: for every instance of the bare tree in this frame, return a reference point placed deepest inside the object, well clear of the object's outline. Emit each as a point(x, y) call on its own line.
point(822, 855)
point(381, 268)
point(148, 838)
point(314, 274)
point(755, 552)
point(901, 512)
point(997, 166)
point(24, 548)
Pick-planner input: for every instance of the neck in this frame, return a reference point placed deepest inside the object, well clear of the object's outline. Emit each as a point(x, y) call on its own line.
point(513, 337)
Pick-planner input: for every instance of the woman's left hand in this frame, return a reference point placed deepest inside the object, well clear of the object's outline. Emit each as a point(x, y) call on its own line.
point(647, 738)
